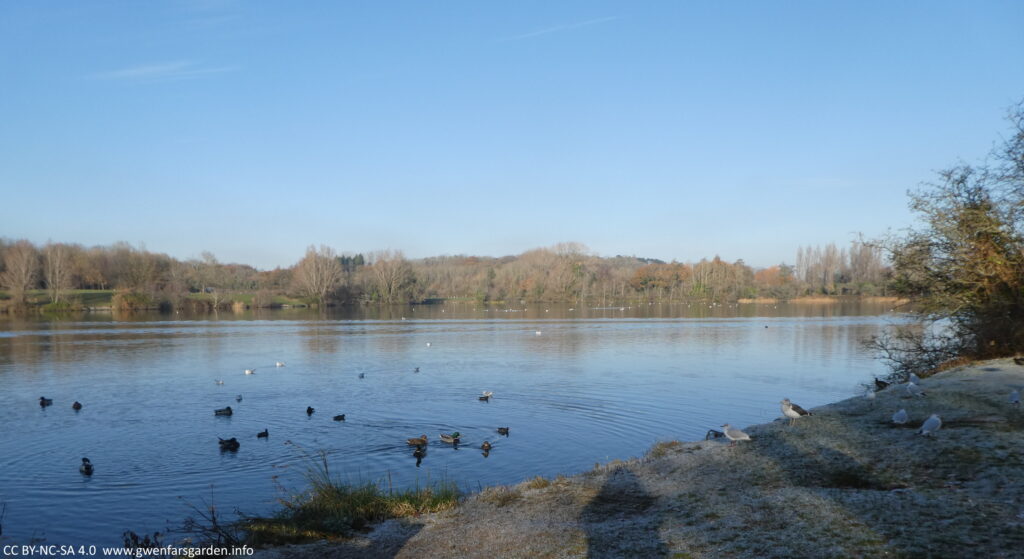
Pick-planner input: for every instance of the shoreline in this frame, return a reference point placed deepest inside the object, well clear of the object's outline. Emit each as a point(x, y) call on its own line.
point(843, 482)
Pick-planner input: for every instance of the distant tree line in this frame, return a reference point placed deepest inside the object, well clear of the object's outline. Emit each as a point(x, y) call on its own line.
point(563, 273)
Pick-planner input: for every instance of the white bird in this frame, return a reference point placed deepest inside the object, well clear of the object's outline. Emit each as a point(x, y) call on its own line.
point(428, 344)
point(914, 390)
point(250, 371)
point(487, 393)
point(537, 333)
point(792, 411)
point(279, 364)
point(218, 382)
point(900, 417)
point(1015, 398)
point(914, 379)
point(931, 425)
point(734, 434)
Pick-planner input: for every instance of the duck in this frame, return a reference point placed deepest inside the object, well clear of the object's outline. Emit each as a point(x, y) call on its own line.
point(415, 369)
point(309, 410)
point(43, 402)
point(86, 467)
point(417, 441)
point(339, 417)
point(223, 411)
point(503, 431)
point(229, 444)
point(450, 439)
point(362, 375)
point(486, 446)
point(263, 434)
point(76, 406)
point(419, 453)
point(485, 398)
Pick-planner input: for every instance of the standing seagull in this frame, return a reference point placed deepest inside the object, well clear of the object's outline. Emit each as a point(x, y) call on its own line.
point(931, 425)
point(900, 417)
point(792, 411)
point(914, 390)
point(734, 434)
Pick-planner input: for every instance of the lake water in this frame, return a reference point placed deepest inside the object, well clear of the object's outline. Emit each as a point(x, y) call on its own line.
point(575, 387)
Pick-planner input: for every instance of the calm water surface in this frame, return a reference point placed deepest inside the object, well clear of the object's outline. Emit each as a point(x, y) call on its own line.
point(575, 387)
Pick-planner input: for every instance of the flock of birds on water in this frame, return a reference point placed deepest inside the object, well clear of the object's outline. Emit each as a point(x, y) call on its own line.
point(790, 410)
point(232, 444)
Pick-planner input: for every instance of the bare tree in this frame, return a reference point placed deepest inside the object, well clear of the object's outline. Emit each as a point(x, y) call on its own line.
point(393, 276)
point(57, 270)
point(21, 269)
point(319, 273)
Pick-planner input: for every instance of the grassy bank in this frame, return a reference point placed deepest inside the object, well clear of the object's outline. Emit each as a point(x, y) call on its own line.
point(331, 508)
point(845, 482)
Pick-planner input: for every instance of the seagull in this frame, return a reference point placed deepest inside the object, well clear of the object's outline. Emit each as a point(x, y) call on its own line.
point(238, 398)
point(900, 417)
point(428, 344)
point(1015, 398)
point(218, 382)
point(734, 434)
point(250, 371)
point(487, 393)
point(537, 333)
point(279, 364)
point(914, 390)
point(792, 411)
point(914, 379)
point(86, 467)
point(931, 425)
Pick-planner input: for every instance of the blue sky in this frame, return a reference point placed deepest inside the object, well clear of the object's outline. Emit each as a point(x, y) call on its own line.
point(674, 130)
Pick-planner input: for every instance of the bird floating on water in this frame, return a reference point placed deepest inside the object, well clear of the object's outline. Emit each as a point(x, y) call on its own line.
point(419, 453)
point(86, 467)
point(250, 371)
point(792, 411)
point(309, 410)
point(264, 434)
point(485, 446)
point(914, 390)
point(931, 425)
point(417, 441)
point(223, 411)
point(450, 439)
point(340, 417)
point(734, 434)
point(362, 375)
point(537, 333)
point(415, 369)
point(487, 393)
point(900, 417)
point(503, 431)
point(218, 382)
point(1015, 398)
point(76, 406)
point(238, 398)
point(229, 444)
point(279, 364)
point(43, 402)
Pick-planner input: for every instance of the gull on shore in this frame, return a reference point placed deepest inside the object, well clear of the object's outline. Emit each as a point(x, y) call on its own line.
point(792, 411)
point(900, 417)
point(931, 425)
point(914, 390)
point(734, 434)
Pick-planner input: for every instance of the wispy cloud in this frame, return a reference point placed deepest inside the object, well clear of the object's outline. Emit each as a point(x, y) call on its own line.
point(164, 71)
point(557, 28)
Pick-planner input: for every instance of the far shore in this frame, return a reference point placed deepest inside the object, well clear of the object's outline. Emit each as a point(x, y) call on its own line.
point(844, 482)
